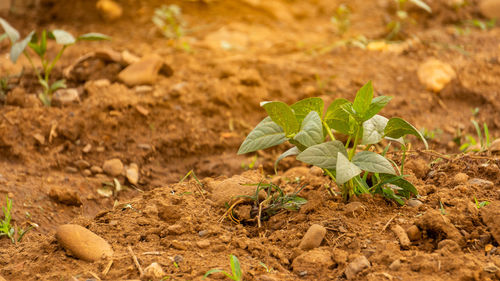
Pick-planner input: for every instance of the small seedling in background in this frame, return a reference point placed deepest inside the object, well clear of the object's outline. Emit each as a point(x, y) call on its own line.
point(431, 134)
point(268, 269)
point(441, 208)
point(401, 17)
point(304, 125)
point(169, 20)
point(341, 18)
point(482, 143)
point(236, 275)
point(6, 229)
point(38, 43)
point(481, 204)
point(250, 165)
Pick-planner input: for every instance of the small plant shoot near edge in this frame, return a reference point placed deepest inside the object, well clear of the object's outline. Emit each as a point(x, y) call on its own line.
point(353, 166)
point(38, 43)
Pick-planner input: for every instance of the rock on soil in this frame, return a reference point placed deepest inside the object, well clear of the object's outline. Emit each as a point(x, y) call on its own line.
point(83, 243)
point(227, 190)
point(491, 217)
point(435, 74)
point(142, 72)
point(132, 173)
point(439, 226)
point(354, 209)
point(113, 167)
point(400, 233)
point(356, 266)
point(414, 233)
point(109, 9)
point(65, 196)
point(65, 97)
point(495, 146)
point(490, 8)
point(460, 178)
point(313, 237)
point(154, 271)
point(313, 262)
point(419, 167)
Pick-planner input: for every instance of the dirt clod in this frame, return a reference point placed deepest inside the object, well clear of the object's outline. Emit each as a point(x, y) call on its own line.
point(490, 8)
point(490, 215)
point(357, 265)
point(313, 237)
point(142, 72)
point(435, 74)
point(413, 233)
point(154, 271)
point(400, 233)
point(460, 178)
point(83, 243)
point(439, 227)
point(354, 209)
point(313, 262)
point(65, 196)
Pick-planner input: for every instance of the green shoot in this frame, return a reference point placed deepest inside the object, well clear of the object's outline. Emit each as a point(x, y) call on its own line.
point(236, 273)
point(482, 143)
point(441, 208)
point(15, 234)
point(268, 269)
point(169, 20)
point(38, 44)
point(341, 18)
point(481, 204)
point(401, 18)
point(310, 130)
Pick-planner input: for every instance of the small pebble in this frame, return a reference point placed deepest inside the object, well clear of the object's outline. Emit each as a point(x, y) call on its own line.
point(414, 203)
point(113, 167)
point(83, 243)
point(413, 233)
point(154, 271)
point(203, 244)
point(313, 237)
point(202, 233)
point(460, 178)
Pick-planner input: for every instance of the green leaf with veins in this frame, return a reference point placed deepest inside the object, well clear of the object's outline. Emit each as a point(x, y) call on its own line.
point(311, 131)
point(345, 169)
point(373, 129)
point(323, 155)
point(305, 106)
point(337, 118)
point(363, 99)
point(376, 105)
point(18, 47)
point(397, 128)
point(282, 115)
point(264, 135)
point(63, 37)
point(373, 162)
point(407, 188)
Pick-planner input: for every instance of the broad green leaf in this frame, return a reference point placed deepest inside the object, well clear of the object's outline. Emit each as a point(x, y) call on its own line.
point(372, 162)
point(264, 135)
point(363, 99)
point(18, 47)
point(59, 84)
point(397, 127)
point(323, 155)
point(373, 129)
point(377, 104)
point(292, 151)
point(63, 37)
point(282, 115)
point(294, 203)
point(311, 131)
point(235, 267)
point(337, 118)
point(422, 5)
point(11, 32)
point(407, 188)
point(93, 36)
point(305, 106)
point(345, 169)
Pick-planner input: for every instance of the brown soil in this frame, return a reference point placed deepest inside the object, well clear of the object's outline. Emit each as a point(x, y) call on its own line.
point(196, 118)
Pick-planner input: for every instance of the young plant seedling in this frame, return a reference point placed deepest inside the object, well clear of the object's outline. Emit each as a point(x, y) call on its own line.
point(482, 143)
point(401, 18)
point(169, 20)
point(236, 275)
point(481, 204)
point(6, 229)
point(305, 126)
point(38, 43)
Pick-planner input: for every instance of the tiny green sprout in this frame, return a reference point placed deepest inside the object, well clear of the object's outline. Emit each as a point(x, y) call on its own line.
point(268, 269)
point(38, 44)
point(481, 204)
point(307, 127)
point(482, 143)
point(236, 275)
point(169, 20)
point(6, 229)
point(401, 17)
point(250, 165)
point(441, 208)
point(341, 19)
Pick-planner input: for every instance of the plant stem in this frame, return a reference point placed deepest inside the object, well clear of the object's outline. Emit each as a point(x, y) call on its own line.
point(355, 144)
point(403, 157)
point(330, 190)
point(329, 131)
point(51, 66)
point(348, 141)
point(32, 65)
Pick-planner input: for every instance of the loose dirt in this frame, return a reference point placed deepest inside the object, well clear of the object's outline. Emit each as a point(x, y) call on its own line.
point(195, 115)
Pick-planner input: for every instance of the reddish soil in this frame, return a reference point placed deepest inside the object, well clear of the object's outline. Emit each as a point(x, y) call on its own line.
point(196, 118)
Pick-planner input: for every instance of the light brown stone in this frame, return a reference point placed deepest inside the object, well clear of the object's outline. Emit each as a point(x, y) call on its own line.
point(83, 243)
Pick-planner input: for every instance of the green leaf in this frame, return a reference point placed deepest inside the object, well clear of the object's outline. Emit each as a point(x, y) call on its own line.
point(63, 37)
point(93, 36)
point(345, 169)
point(58, 85)
point(373, 162)
point(305, 106)
point(18, 47)
point(373, 129)
point(407, 188)
point(363, 99)
point(323, 155)
point(294, 203)
point(337, 118)
point(264, 135)
point(397, 127)
point(43, 43)
point(292, 151)
point(422, 5)
point(377, 104)
point(282, 115)
point(311, 131)
point(235, 268)
point(11, 32)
